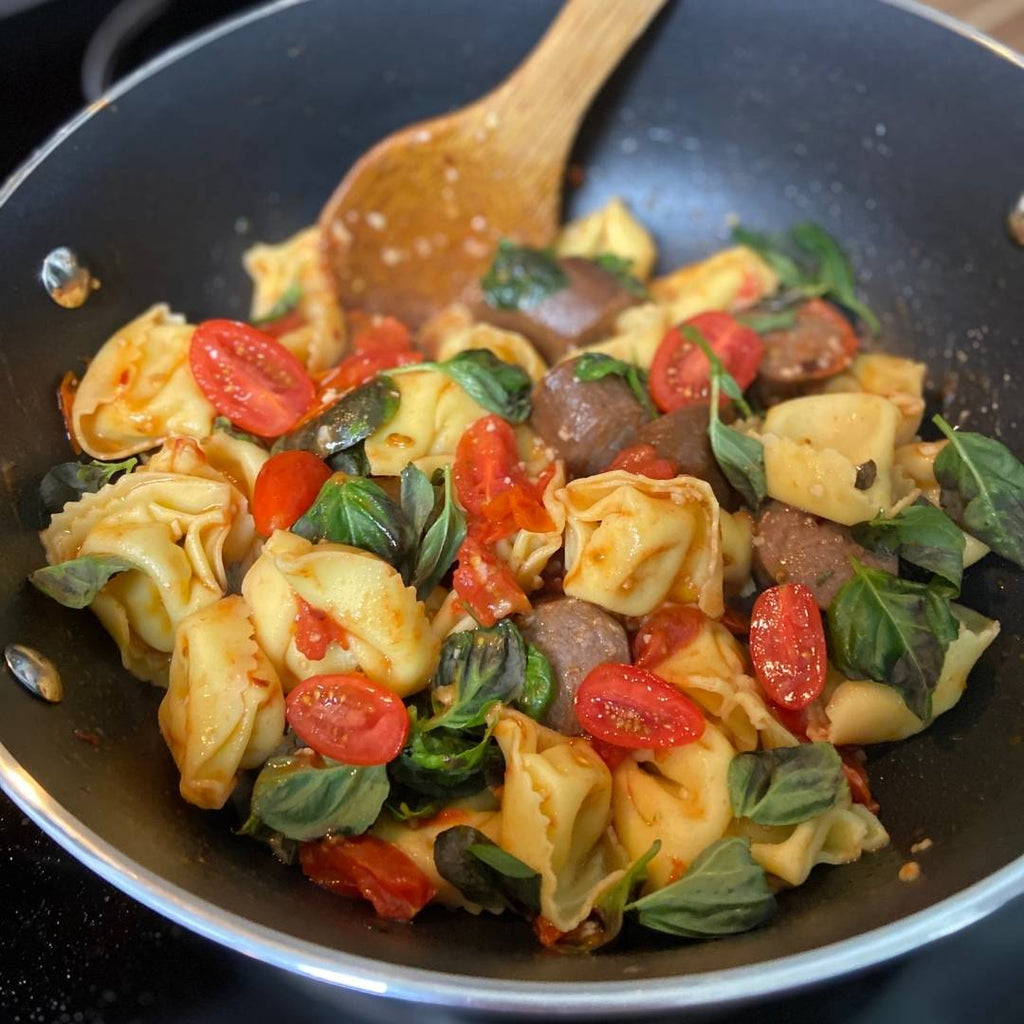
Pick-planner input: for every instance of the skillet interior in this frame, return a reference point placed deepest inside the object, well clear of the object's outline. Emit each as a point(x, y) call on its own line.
point(903, 139)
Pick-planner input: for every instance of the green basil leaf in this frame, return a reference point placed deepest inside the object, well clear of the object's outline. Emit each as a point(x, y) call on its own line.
point(622, 270)
point(892, 631)
point(539, 686)
point(290, 298)
point(922, 535)
point(75, 583)
point(484, 873)
point(417, 498)
point(70, 480)
point(521, 278)
point(440, 543)
point(222, 425)
point(723, 892)
point(787, 785)
point(353, 418)
point(284, 849)
point(786, 268)
point(983, 489)
point(500, 387)
point(764, 323)
point(739, 456)
point(305, 796)
point(443, 763)
point(597, 365)
point(402, 810)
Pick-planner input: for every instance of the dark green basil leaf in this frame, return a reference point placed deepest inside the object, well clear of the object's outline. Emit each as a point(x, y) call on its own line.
point(597, 365)
point(353, 418)
point(787, 785)
point(403, 810)
point(789, 272)
point(443, 763)
point(723, 892)
point(222, 425)
point(521, 278)
point(75, 583)
point(922, 535)
point(622, 270)
point(440, 543)
point(484, 873)
point(290, 298)
point(304, 796)
point(417, 498)
point(892, 631)
point(70, 480)
point(983, 489)
point(500, 387)
point(539, 686)
point(284, 849)
point(764, 323)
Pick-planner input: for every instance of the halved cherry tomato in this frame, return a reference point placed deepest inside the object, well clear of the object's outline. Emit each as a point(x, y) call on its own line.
point(369, 867)
point(250, 378)
point(376, 335)
point(315, 631)
point(285, 487)
point(643, 459)
point(787, 645)
point(485, 584)
point(290, 321)
point(668, 630)
point(611, 754)
point(348, 718)
point(680, 372)
point(857, 777)
point(795, 720)
point(631, 707)
point(66, 401)
point(821, 343)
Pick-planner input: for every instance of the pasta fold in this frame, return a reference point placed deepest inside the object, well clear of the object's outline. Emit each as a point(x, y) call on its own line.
point(899, 380)
point(506, 345)
point(611, 230)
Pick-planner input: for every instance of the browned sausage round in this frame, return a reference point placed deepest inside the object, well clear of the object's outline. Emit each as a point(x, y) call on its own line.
point(575, 636)
point(821, 343)
point(587, 422)
point(791, 546)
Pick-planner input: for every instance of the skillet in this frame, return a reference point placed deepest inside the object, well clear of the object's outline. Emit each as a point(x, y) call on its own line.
point(903, 137)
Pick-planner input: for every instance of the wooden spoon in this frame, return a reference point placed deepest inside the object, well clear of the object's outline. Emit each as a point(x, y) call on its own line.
point(415, 222)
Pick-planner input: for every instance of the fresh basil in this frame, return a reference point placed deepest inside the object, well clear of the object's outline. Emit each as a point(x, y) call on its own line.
point(289, 299)
point(922, 535)
point(765, 323)
point(352, 419)
point(892, 631)
point(621, 269)
point(597, 365)
point(222, 425)
point(500, 387)
point(539, 686)
point(444, 763)
point(436, 551)
point(983, 489)
point(521, 278)
point(787, 785)
point(484, 873)
point(789, 273)
point(70, 480)
point(304, 796)
point(284, 849)
point(75, 583)
point(417, 498)
point(723, 892)
point(403, 810)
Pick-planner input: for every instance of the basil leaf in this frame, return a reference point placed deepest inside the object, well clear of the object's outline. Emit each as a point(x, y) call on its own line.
point(484, 873)
point(353, 418)
point(304, 796)
point(443, 763)
point(787, 785)
point(75, 583)
point(597, 365)
point(622, 270)
point(402, 810)
point(70, 480)
point(500, 387)
point(284, 849)
point(521, 278)
point(892, 631)
point(789, 273)
point(922, 535)
point(440, 543)
point(417, 498)
point(764, 323)
point(539, 685)
point(289, 299)
point(723, 892)
point(983, 489)
point(222, 425)
point(739, 456)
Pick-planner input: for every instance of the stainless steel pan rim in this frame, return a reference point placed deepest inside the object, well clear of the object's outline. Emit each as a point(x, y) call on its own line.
point(379, 978)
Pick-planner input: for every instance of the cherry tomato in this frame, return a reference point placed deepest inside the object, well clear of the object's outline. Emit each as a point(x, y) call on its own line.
point(680, 372)
point(643, 459)
point(66, 401)
point(348, 718)
point(486, 585)
point(369, 867)
point(290, 321)
point(547, 934)
point(631, 707)
point(821, 343)
point(249, 377)
point(315, 630)
point(794, 720)
point(787, 645)
point(668, 630)
point(286, 486)
point(737, 622)
point(611, 754)
point(857, 777)
point(376, 335)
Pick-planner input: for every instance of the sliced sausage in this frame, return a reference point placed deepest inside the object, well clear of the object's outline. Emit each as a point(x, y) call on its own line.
point(791, 546)
point(820, 344)
point(575, 636)
point(588, 422)
point(582, 312)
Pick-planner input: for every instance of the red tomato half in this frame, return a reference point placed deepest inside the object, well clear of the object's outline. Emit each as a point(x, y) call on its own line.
point(485, 584)
point(857, 777)
point(348, 718)
point(250, 378)
point(366, 866)
point(286, 486)
point(668, 630)
point(634, 708)
point(643, 459)
point(680, 372)
point(787, 645)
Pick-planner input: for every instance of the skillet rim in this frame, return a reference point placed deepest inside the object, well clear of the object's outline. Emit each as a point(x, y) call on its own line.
point(376, 977)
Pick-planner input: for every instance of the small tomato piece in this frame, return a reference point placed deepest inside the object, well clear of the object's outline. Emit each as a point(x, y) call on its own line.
point(283, 324)
point(857, 777)
point(486, 585)
point(285, 488)
point(315, 630)
point(666, 631)
point(643, 459)
point(377, 335)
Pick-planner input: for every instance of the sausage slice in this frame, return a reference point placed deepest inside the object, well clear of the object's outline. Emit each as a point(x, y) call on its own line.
point(820, 344)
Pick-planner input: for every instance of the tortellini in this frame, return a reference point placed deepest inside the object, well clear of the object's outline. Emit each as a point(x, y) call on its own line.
point(295, 263)
point(180, 522)
point(863, 711)
point(633, 543)
point(433, 415)
point(555, 816)
point(506, 345)
point(737, 549)
point(239, 460)
point(139, 389)
point(900, 380)
point(223, 709)
point(387, 634)
point(680, 796)
point(612, 230)
point(639, 331)
point(814, 447)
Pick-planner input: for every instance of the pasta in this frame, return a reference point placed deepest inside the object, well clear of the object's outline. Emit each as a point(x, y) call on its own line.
point(506, 345)
point(610, 230)
point(901, 381)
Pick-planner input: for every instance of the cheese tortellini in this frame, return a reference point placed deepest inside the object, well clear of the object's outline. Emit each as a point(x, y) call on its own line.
point(506, 345)
point(223, 709)
point(633, 543)
point(892, 377)
point(610, 230)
